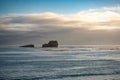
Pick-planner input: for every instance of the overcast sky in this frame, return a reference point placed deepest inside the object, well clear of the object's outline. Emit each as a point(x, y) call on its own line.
point(71, 22)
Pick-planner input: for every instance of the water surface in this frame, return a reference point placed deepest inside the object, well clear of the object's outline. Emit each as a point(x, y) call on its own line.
point(63, 63)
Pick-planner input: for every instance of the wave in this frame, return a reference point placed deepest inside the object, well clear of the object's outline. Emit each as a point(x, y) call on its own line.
point(62, 48)
point(84, 48)
point(65, 76)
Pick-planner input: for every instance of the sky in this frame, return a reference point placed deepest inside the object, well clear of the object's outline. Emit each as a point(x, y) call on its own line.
point(71, 22)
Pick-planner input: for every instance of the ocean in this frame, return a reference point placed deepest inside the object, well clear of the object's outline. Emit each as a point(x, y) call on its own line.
point(67, 62)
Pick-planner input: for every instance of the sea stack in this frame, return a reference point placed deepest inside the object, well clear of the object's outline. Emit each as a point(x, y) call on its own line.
point(51, 44)
point(29, 45)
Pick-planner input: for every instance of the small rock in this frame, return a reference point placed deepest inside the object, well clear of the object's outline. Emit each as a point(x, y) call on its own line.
point(29, 45)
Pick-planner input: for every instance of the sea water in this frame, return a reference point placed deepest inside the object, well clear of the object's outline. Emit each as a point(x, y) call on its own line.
point(63, 63)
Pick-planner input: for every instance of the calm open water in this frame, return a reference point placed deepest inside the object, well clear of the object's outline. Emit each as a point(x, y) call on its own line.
point(63, 63)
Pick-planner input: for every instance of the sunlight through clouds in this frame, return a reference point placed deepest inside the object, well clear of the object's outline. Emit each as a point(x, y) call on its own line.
point(92, 26)
point(92, 19)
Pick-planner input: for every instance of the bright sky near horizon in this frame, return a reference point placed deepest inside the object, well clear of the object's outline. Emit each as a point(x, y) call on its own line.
point(68, 21)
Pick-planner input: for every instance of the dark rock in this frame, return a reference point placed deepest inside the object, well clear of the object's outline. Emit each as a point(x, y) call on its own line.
point(29, 45)
point(51, 44)
point(45, 45)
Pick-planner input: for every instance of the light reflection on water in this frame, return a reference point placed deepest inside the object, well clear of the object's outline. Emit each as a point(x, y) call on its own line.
point(68, 63)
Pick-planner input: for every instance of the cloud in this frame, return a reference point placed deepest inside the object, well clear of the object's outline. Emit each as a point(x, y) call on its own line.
point(102, 9)
point(84, 24)
point(88, 19)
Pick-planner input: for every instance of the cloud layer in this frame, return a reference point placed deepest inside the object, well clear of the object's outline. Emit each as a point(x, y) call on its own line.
point(43, 26)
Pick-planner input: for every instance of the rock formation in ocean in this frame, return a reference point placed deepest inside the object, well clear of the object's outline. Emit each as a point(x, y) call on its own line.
point(29, 45)
point(51, 44)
